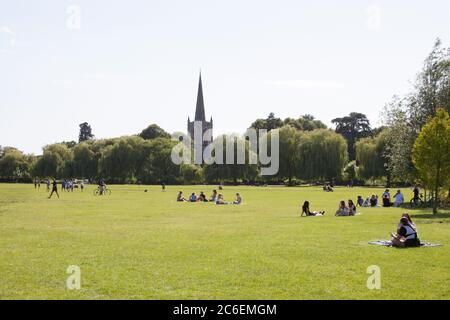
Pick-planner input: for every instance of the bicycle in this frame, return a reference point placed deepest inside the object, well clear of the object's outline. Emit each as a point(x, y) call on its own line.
point(106, 192)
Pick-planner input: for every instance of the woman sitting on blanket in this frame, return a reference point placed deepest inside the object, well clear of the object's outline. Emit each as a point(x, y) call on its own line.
point(308, 213)
point(406, 235)
point(342, 211)
point(373, 201)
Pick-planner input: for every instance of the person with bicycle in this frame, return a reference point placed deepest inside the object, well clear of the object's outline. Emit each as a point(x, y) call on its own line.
point(101, 186)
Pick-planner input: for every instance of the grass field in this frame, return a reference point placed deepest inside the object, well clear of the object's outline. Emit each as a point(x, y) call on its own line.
point(136, 245)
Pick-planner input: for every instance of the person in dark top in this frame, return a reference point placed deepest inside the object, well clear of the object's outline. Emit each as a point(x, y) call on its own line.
point(308, 213)
point(54, 189)
point(163, 186)
point(180, 197)
point(406, 235)
point(360, 201)
point(373, 201)
point(416, 192)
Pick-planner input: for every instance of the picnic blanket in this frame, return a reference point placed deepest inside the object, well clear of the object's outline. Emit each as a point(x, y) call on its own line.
point(388, 243)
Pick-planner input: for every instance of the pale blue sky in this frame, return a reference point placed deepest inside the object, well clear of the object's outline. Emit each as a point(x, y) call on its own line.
point(132, 63)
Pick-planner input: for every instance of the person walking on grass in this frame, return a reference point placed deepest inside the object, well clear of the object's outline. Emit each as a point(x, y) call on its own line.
point(54, 189)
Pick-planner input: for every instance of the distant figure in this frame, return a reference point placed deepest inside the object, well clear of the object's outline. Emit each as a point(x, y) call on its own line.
point(373, 201)
point(386, 197)
point(202, 197)
point(342, 211)
point(35, 183)
point(359, 201)
point(406, 235)
point(82, 186)
point(48, 185)
point(220, 186)
point(193, 197)
point(180, 197)
point(54, 189)
point(366, 202)
point(351, 208)
point(327, 188)
point(238, 199)
point(398, 199)
point(220, 199)
point(416, 192)
point(308, 213)
point(163, 187)
point(213, 196)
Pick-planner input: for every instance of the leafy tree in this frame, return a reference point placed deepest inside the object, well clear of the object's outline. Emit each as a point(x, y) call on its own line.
point(85, 132)
point(153, 131)
point(289, 153)
point(323, 154)
point(431, 153)
point(371, 157)
point(271, 122)
point(55, 162)
point(14, 165)
point(232, 172)
point(306, 122)
point(432, 87)
point(400, 137)
point(85, 162)
point(353, 127)
point(191, 174)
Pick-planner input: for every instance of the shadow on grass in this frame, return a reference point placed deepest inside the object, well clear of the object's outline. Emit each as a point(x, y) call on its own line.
point(430, 216)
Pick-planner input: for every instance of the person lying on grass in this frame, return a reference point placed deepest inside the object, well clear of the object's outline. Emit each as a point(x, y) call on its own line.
point(343, 210)
point(308, 213)
point(406, 235)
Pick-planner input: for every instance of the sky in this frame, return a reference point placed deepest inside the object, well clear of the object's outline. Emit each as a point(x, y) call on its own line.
point(122, 65)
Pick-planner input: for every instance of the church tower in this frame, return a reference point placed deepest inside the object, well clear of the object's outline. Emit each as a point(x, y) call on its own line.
point(201, 117)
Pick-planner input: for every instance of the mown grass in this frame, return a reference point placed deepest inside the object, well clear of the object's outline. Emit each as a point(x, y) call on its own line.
point(137, 245)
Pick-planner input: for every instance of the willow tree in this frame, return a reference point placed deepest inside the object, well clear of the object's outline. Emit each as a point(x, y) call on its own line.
point(322, 155)
point(371, 157)
point(431, 153)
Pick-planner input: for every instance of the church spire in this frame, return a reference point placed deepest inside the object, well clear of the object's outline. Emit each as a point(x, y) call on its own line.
point(200, 108)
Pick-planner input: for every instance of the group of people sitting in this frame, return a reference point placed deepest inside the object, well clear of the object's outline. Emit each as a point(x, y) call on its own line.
point(216, 198)
point(372, 201)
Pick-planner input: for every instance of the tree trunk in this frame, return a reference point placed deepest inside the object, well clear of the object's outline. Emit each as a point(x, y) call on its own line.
point(436, 190)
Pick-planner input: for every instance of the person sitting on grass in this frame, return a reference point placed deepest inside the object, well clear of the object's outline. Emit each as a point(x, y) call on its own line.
point(213, 196)
point(308, 213)
point(351, 208)
point(406, 235)
point(386, 198)
point(366, 202)
point(398, 199)
point(202, 197)
point(180, 197)
point(193, 197)
point(373, 201)
point(359, 201)
point(220, 199)
point(342, 211)
point(238, 199)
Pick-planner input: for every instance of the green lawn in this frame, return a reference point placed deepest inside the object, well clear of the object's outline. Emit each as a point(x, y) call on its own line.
point(136, 245)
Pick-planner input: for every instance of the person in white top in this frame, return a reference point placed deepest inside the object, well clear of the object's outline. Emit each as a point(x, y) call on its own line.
point(398, 199)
